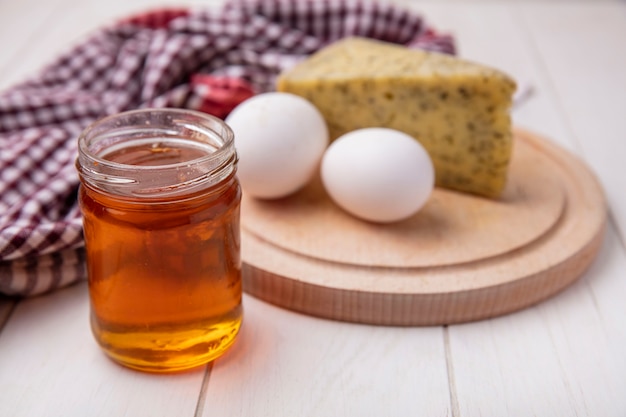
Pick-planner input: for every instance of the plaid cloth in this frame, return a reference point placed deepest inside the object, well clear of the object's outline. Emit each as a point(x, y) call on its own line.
point(196, 59)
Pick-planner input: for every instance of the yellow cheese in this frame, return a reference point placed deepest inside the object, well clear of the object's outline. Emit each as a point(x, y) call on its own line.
point(457, 109)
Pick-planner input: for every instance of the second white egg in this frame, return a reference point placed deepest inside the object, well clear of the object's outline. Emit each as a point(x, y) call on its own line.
point(378, 174)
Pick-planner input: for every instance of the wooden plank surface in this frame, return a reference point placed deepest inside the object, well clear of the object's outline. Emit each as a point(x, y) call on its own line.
point(593, 111)
point(290, 364)
point(563, 357)
point(579, 57)
point(51, 366)
point(17, 35)
point(556, 358)
point(37, 31)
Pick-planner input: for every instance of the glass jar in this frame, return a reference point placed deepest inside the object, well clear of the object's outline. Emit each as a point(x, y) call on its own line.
point(160, 203)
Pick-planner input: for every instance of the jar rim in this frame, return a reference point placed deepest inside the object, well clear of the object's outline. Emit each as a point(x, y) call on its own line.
point(149, 124)
point(228, 140)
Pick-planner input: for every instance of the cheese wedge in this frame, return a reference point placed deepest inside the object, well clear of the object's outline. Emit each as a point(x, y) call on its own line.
point(457, 109)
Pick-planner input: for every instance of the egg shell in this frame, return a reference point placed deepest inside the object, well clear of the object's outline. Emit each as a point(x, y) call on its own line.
point(378, 174)
point(280, 139)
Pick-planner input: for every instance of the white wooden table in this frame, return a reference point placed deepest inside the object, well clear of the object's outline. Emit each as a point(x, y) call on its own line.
point(563, 357)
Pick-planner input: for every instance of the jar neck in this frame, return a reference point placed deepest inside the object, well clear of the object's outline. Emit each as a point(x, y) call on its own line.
point(156, 153)
point(224, 193)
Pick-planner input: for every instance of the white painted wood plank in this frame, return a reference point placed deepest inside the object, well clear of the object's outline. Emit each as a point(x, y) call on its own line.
point(288, 364)
point(507, 367)
point(563, 356)
point(60, 25)
point(19, 20)
point(582, 46)
point(591, 340)
point(559, 358)
point(51, 366)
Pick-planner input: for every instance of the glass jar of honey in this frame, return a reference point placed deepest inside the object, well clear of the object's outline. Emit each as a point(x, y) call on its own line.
point(160, 204)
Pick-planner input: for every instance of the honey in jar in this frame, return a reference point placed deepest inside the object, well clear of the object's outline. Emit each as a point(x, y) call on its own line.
point(160, 204)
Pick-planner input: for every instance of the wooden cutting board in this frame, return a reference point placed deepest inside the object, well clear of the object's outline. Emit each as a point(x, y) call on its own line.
point(460, 258)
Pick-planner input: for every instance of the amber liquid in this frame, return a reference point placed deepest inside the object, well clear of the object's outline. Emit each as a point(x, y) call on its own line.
point(164, 274)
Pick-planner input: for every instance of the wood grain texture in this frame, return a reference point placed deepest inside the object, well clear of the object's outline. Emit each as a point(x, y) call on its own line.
point(484, 284)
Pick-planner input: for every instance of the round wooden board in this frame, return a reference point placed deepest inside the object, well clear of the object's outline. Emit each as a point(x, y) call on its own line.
point(460, 258)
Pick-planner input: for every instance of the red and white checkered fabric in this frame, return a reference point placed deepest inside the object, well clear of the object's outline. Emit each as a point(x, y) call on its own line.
point(207, 60)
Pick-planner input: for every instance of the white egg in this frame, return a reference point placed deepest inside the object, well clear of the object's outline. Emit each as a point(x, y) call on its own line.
point(378, 174)
point(280, 139)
